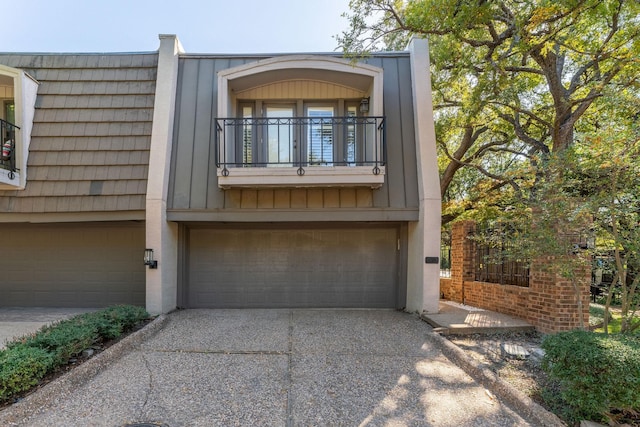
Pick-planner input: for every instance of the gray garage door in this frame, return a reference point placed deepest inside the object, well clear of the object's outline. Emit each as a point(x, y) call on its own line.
point(71, 265)
point(292, 268)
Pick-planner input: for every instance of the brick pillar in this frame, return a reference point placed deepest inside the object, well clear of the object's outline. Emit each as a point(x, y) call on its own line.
point(551, 304)
point(462, 263)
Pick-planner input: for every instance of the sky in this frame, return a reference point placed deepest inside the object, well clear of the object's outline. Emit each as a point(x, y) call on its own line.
point(202, 26)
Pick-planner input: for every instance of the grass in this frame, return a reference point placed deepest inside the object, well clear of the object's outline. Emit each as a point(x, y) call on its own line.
point(596, 319)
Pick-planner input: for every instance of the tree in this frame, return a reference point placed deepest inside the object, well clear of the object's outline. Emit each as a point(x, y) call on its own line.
point(603, 170)
point(512, 79)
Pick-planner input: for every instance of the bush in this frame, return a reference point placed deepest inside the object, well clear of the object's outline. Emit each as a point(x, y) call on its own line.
point(27, 360)
point(111, 322)
point(65, 339)
point(21, 368)
point(596, 373)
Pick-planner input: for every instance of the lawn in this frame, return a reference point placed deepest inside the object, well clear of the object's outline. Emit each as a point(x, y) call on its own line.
point(596, 319)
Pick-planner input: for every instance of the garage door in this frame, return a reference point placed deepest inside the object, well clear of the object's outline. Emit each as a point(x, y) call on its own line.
point(71, 265)
point(292, 268)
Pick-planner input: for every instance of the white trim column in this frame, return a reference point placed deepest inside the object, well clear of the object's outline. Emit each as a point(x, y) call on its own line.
point(162, 235)
point(423, 278)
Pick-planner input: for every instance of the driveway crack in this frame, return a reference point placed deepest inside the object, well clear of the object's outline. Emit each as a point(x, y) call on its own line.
point(150, 386)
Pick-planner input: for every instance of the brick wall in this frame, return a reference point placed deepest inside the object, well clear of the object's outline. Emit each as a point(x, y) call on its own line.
point(549, 303)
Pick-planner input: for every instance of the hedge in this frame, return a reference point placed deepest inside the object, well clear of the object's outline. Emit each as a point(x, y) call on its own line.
point(596, 373)
point(29, 359)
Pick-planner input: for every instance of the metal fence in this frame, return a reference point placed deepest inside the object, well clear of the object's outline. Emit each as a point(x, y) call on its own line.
point(493, 262)
point(445, 253)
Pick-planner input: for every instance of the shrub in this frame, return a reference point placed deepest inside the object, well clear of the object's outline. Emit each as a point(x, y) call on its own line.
point(113, 321)
point(596, 373)
point(64, 339)
point(27, 360)
point(21, 368)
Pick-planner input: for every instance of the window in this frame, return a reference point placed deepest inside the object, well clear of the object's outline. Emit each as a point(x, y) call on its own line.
point(279, 135)
point(247, 134)
point(10, 111)
point(320, 135)
point(285, 135)
point(17, 95)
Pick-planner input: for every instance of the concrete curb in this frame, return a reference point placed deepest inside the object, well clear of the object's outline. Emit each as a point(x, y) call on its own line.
point(524, 405)
point(66, 383)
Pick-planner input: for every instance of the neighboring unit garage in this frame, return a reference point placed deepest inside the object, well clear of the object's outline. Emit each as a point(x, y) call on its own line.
point(72, 265)
point(292, 266)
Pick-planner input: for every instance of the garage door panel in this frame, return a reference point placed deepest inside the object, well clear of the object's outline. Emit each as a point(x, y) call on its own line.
point(72, 265)
point(292, 268)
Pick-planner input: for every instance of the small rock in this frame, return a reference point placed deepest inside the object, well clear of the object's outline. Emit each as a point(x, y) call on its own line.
point(515, 350)
point(88, 352)
point(537, 353)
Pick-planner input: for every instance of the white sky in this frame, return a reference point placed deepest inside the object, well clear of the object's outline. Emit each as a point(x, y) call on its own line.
point(203, 26)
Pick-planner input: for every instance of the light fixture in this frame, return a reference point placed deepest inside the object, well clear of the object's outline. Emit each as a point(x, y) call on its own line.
point(364, 105)
point(148, 259)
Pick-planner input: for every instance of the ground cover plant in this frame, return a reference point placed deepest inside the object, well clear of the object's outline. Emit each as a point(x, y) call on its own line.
point(26, 361)
point(598, 376)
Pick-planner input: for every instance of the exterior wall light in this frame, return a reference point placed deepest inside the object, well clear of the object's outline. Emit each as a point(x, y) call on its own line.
point(148, 259)
point(364, 105)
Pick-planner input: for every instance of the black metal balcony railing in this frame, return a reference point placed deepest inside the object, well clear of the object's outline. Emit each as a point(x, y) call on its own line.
point(300, 142)
point(8, 147)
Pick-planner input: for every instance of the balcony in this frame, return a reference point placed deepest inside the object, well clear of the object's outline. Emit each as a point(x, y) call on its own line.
point(300, 152)
point(8, 146)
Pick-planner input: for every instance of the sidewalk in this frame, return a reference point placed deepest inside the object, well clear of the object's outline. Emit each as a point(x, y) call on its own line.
point(458, 319)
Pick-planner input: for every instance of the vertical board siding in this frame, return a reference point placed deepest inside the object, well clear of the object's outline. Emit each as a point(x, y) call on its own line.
point(215, 195)
point(193, 183)
point(184, 141)
point(410, 164)
point(381, 196)
point(392, 112)
point(202, 136)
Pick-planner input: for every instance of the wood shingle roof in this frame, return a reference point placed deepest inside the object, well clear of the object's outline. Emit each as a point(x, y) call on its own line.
point(91, 133)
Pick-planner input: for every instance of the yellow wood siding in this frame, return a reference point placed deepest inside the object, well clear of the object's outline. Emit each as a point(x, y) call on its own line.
point(6, 91)
point(300, 89)
point(299, 198)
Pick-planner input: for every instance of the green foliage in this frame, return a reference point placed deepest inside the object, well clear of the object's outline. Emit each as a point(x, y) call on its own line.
point(512, 82)
point(603, 171)
point(21, 368)
point(596, 373)
point(63, 340)
point(111, 322)
point(27, 360)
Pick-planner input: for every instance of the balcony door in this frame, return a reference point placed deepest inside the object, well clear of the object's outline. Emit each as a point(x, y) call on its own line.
point(280, 142)
point(320, 135)
point(301, 134)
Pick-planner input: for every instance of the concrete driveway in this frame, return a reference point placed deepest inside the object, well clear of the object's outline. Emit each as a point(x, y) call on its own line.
point(278, 368)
